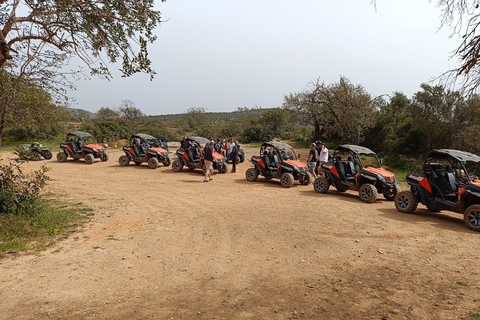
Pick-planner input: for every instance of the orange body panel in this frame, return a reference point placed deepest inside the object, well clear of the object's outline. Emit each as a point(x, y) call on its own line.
point(297, 163)
point(95, 146)
point(380, 171)
point(69, 148)
point(424, 183)
point(335, 172)
point(131, 151)
point(158, 149)
point(261, 163)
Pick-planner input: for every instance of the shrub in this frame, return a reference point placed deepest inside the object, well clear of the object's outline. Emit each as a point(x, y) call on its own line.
point(19, 191)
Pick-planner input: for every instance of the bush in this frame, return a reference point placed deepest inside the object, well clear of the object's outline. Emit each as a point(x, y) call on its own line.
point(19, 191)
point(256, 133)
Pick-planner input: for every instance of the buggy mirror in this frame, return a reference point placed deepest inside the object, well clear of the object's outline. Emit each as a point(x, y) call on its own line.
point(298, 156)
point(427, 169)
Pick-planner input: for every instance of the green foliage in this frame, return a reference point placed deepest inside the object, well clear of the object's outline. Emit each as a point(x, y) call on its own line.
point(49, 220)
point(256, 133)
point(19, 191)
point(340, 110)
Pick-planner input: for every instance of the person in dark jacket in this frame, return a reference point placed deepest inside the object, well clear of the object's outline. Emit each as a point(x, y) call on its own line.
point(234, 157)
point(208, 151)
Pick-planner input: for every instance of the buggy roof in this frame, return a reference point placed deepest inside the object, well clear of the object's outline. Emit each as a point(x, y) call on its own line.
point(354, 148)
point(457, 154)
point(143, 136)
point(79, 134)
point(200, 140)
point(277, 144)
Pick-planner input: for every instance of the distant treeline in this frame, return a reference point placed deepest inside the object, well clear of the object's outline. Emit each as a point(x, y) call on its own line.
point(393, 125)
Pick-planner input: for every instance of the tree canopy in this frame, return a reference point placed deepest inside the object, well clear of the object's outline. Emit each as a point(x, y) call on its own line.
point(90, 30)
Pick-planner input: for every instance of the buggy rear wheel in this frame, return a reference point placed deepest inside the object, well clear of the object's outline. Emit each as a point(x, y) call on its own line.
point(62, 157)
point(368, 193)
point(153, 163)
point(48, 155)
point(391, 193)
point(406, 202)
point(472, 217)
point(177, 166)
point(124, 160)
point(251, 174)
point(287, 180)
point(321, 184)
point(104, 157)
point(89, 158)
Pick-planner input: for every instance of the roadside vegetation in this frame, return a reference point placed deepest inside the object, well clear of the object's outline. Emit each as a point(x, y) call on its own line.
point(29, 221)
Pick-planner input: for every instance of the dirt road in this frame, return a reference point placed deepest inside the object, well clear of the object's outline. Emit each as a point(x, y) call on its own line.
point(164, 245)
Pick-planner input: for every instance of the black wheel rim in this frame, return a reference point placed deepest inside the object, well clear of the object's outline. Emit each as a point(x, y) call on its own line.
point(285, 180)
point(250, 175)
point(366, 193)
point(319, 185)
point(403, 202)
point(473, 218)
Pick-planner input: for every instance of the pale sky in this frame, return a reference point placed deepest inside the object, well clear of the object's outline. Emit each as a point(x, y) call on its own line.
point(221, 55)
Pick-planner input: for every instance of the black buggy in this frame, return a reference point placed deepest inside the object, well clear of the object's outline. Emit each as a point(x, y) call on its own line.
point(445, 184)
point(80, 145)
point(278, 160)
point(145, 148)
point(357, 168)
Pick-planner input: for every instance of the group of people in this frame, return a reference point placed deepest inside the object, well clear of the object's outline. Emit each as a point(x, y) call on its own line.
point(227, 148)
point(316, 158)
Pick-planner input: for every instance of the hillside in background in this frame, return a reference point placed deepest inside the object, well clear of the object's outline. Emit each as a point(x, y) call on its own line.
point(169, 119)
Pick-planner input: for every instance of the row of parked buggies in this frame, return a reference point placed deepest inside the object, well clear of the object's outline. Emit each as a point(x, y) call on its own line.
point(444, 184)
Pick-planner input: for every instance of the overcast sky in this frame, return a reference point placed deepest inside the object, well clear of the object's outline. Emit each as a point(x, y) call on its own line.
point(221, 55)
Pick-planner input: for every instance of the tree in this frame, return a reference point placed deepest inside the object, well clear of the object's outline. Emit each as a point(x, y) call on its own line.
point(129, 111)
point(275, 120)
point(341, 109)
point(89, 30)
point(107, 114)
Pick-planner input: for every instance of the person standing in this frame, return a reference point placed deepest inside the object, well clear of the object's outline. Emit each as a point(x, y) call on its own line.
point(208, 151)
point(312, 160)
point(323, 157)
point(230, 145)
point(234, 156)
point(318, 146)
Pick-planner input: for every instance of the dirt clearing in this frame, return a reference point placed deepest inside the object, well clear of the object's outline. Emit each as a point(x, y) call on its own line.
point(164, 245)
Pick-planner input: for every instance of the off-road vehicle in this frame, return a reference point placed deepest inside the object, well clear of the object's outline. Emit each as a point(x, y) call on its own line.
point(357, 168)
point(34, 151)
point(189, 155)
point(145, 148)
point(445, 184)
point(278, 160)
point(80, 145)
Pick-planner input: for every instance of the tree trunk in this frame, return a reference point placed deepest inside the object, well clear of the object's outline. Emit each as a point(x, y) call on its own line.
point(2, 124)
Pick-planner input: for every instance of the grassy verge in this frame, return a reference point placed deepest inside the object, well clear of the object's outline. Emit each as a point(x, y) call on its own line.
point(51, 221)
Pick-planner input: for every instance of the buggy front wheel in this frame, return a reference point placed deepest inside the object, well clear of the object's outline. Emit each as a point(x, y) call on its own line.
point(223, 169)
point(368, 193)
point(472, 217)
point(287, 180)
point(153, 163)
point(36, 155)
point(305, 179)
point(48, 155)
point(89, 158)
point(104, 157)
point(391, 193)
point(167, 162)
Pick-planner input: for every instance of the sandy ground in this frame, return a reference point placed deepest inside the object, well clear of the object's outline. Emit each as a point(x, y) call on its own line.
point(164, 245)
